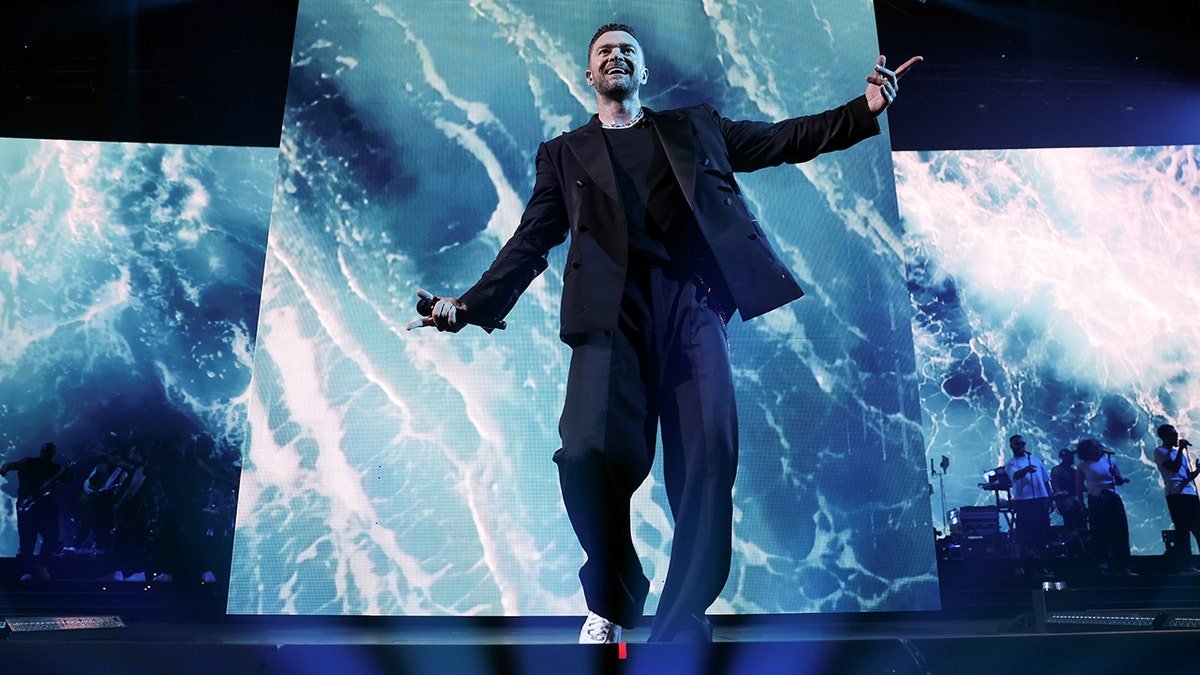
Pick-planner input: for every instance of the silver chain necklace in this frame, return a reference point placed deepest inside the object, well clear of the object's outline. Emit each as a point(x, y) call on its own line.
point(636, 118)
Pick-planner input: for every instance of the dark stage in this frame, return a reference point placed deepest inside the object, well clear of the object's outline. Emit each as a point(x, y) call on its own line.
point(995, 618)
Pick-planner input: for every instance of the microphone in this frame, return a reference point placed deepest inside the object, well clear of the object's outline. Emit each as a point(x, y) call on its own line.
point(1183, 443)
point(1108, 452)
point(425, 308)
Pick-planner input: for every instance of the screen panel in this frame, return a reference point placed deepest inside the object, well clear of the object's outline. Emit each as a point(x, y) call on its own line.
point(395, 473)
point(1055, 298)
point(128, 314)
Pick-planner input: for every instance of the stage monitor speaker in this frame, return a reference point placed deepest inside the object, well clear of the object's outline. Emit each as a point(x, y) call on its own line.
point(23, 625)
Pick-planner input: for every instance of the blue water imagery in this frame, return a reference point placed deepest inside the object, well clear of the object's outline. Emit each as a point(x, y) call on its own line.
point(129, 299)
point(1054, 296)
point(409, 473)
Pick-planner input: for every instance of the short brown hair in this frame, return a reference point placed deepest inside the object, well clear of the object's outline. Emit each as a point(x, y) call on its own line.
point(608, 28)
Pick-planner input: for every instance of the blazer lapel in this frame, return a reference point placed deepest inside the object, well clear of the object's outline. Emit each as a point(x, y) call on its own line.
point(592, 152)
point(675, 132)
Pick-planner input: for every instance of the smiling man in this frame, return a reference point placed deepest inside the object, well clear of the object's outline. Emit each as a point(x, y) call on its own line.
point(664, 249)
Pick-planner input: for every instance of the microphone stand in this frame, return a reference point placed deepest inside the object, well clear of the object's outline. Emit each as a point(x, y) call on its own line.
point(1183, 446)
point(942, 487)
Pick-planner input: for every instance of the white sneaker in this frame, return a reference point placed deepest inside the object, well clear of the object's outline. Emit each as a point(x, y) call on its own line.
point(598, 630)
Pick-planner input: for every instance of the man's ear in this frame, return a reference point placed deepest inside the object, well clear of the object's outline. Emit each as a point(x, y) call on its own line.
point(645, 75)
point(587, 77)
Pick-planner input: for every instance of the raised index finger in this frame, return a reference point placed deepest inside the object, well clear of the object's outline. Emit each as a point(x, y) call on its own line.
point(908, 64)
point(419, 323)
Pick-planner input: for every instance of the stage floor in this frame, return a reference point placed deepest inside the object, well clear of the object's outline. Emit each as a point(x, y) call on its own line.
point(995, 618)
point(277, 647)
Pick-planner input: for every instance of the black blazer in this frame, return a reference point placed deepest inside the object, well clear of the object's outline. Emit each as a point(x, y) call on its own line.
point(575, 191)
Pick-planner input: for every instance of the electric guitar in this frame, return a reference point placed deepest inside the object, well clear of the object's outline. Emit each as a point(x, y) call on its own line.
point(45, 492)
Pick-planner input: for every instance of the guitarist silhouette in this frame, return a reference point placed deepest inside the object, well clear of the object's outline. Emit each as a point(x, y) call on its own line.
point(37, 500)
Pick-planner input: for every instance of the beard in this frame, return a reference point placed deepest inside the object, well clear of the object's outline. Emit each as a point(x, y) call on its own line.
point(617, 88)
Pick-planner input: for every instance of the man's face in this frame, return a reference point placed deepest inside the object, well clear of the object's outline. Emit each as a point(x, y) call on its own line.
point(616, 67)
point(1018, 446)
point(1170, 437)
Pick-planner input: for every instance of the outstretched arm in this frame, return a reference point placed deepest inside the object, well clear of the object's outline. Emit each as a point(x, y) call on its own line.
point(884, 84)
point(543, 226)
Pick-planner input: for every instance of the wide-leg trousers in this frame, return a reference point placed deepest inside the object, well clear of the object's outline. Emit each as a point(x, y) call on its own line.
point(1110, 530)
point(666, 365)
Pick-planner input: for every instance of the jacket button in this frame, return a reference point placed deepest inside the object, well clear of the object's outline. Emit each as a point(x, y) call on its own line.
point(705, 161)
point(578, 183)
point(576, 264)
point(728, 201)
point(752, 236)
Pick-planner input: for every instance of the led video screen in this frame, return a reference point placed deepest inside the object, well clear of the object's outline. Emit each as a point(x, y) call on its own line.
point(394, 473)
point(1055, 298)
point(128, 314)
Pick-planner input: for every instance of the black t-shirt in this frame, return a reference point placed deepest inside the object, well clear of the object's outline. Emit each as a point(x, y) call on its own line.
point(661, 225)
point(34, 472)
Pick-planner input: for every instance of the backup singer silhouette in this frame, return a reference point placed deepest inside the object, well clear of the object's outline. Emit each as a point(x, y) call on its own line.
point(663, 250)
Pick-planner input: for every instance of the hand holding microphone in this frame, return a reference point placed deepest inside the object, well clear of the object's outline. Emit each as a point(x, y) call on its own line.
point(447, 314)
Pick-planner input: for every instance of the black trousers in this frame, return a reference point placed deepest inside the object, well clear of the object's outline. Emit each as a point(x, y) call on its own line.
point(1032, 525)
point(666, 366)
point(1185, 516)
point(1110, 530)
point(40, 519)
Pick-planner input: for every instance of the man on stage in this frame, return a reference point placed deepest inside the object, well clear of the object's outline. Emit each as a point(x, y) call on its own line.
point(663, 250)
point(1030, 499)
point(1179, 483)
point(37, 501)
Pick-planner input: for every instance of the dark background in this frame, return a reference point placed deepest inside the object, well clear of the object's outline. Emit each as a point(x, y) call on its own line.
point(210, 72)
point(998, 74)
point(1044, 73)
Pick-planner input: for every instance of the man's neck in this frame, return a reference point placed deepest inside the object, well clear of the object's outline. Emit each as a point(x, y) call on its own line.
point(617, 113)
